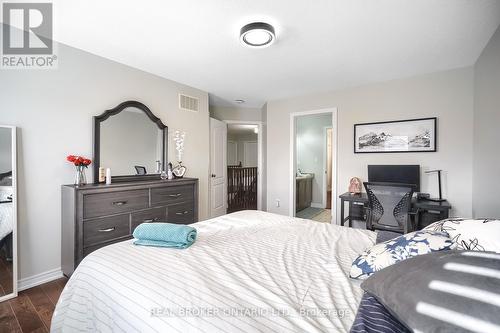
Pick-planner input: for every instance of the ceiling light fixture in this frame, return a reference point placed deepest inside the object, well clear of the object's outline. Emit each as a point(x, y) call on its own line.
point(257, 35)
point(239, 101)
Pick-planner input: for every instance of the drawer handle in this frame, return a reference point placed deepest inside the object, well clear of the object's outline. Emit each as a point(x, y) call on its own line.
point(182, 213)
point(175, 195)
point(156, 219)
point(107, 230)
point(119, 203)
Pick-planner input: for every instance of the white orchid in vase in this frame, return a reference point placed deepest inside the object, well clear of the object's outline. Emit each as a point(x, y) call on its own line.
point(179, 137)
point(179, 144)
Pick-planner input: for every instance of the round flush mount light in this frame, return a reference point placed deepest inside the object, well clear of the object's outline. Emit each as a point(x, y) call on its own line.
point(257, 35)
point(239, 101)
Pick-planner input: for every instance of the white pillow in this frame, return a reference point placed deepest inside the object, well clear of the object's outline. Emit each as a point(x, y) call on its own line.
point(385, 254)
point(471, 234)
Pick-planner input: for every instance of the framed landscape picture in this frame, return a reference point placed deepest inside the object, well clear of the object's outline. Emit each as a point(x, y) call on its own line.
point(400, 136)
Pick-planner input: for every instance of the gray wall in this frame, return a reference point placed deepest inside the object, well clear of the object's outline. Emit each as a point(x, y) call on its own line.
point(486, 178)
point(5, 150)
point(447, 95)
point(54, 110)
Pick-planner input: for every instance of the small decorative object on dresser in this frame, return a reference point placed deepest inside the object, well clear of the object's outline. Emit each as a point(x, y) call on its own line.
point(81, 163)
point(355, 185)
point(97, 215)
point(179, 170)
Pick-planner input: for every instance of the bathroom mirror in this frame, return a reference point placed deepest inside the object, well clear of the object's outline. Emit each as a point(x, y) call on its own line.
point(131, 141)
point(8, 213)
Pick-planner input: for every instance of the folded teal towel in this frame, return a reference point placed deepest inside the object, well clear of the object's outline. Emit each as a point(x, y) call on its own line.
point(164, 235)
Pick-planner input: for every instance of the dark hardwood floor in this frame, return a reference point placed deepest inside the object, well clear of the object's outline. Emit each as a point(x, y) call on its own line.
point(32, 310)
point(5, 275)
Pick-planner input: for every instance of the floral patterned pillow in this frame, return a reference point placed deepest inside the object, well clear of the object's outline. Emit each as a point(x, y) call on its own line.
point(471, 234)
point(398, 249)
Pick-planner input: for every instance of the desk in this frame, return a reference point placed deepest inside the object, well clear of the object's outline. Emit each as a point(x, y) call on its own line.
point(427, 212)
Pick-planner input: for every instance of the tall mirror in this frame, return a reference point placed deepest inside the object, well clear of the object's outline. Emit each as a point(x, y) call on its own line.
point(131, 141)
point(8, 213)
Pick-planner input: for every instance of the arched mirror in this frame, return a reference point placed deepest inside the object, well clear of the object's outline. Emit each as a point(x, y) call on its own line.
point(8, 213)
point(131, 141)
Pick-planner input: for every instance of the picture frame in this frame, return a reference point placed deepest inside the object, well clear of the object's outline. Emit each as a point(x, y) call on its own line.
point(140, 170)
point(397, 136)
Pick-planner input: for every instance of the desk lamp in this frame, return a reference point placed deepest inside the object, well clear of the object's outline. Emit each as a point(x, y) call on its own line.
point(440, 199)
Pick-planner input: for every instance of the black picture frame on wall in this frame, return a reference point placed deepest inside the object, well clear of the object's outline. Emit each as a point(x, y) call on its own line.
point(397, 136)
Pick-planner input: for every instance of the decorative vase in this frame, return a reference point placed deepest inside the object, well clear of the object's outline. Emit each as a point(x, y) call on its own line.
point(80, 178)
point(179, 170)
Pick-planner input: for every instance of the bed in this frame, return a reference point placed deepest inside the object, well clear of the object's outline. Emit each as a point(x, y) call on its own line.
point(248, 271)
point(6, 217)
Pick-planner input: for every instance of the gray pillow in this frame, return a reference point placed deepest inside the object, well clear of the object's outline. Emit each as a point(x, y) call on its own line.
point(450, 291)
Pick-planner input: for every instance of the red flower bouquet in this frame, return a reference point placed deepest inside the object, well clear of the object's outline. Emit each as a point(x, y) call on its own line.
point(79, 160)
point(81, 163)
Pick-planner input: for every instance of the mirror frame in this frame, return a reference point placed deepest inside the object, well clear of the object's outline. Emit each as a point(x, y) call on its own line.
point(14, 215)
point(97, 141)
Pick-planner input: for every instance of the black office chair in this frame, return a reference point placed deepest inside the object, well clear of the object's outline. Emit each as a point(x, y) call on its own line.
point(389, 206)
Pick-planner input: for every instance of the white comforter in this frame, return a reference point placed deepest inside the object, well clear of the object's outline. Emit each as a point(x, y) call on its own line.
point(6, 223)
point(247, 272)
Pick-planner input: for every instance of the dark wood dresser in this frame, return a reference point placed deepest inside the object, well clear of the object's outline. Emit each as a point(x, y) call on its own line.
point(97, 215)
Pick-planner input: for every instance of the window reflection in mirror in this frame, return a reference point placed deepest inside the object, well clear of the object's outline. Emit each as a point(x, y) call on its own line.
point(130, 139)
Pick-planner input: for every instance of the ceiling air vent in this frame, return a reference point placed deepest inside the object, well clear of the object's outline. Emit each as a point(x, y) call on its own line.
point(188, 103)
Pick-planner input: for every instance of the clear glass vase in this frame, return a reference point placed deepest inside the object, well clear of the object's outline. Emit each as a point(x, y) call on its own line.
point(80, 178)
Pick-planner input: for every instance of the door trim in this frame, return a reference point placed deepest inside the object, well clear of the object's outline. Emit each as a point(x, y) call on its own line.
point(325, 164)
point(293, 162)
point(259, 155)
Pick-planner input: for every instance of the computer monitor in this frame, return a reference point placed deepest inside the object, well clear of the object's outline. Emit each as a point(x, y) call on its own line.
point(404, 174)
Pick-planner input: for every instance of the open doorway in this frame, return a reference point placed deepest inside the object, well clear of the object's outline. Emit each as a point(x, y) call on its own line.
point(313, 161)
point(243, 166)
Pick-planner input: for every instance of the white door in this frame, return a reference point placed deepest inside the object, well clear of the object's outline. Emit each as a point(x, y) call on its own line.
point(218, 168)
point(232, 153)
point(250, 154)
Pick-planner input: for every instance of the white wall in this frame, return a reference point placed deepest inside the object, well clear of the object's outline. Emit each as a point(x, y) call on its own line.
point(263, 172)
point(311, 150)
point(235, 113)
point(486, 177)
point(240, 140)
point(5, 149)
point(446, 95)
point(53, 110)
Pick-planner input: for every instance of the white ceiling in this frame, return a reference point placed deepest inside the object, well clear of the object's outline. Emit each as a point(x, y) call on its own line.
point(321, 44)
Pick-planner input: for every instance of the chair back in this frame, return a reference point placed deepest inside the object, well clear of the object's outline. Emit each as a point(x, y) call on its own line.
point(389, 205)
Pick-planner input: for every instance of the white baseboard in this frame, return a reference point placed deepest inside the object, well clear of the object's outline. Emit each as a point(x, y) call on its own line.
point(317, 205)
point(38, 279)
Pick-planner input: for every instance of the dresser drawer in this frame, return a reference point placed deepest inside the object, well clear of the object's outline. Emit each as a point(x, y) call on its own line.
point(91, 249)
point(148, 216)
point(105, 229)
point(181, 213)
point(101, 204)
point(171, 194)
